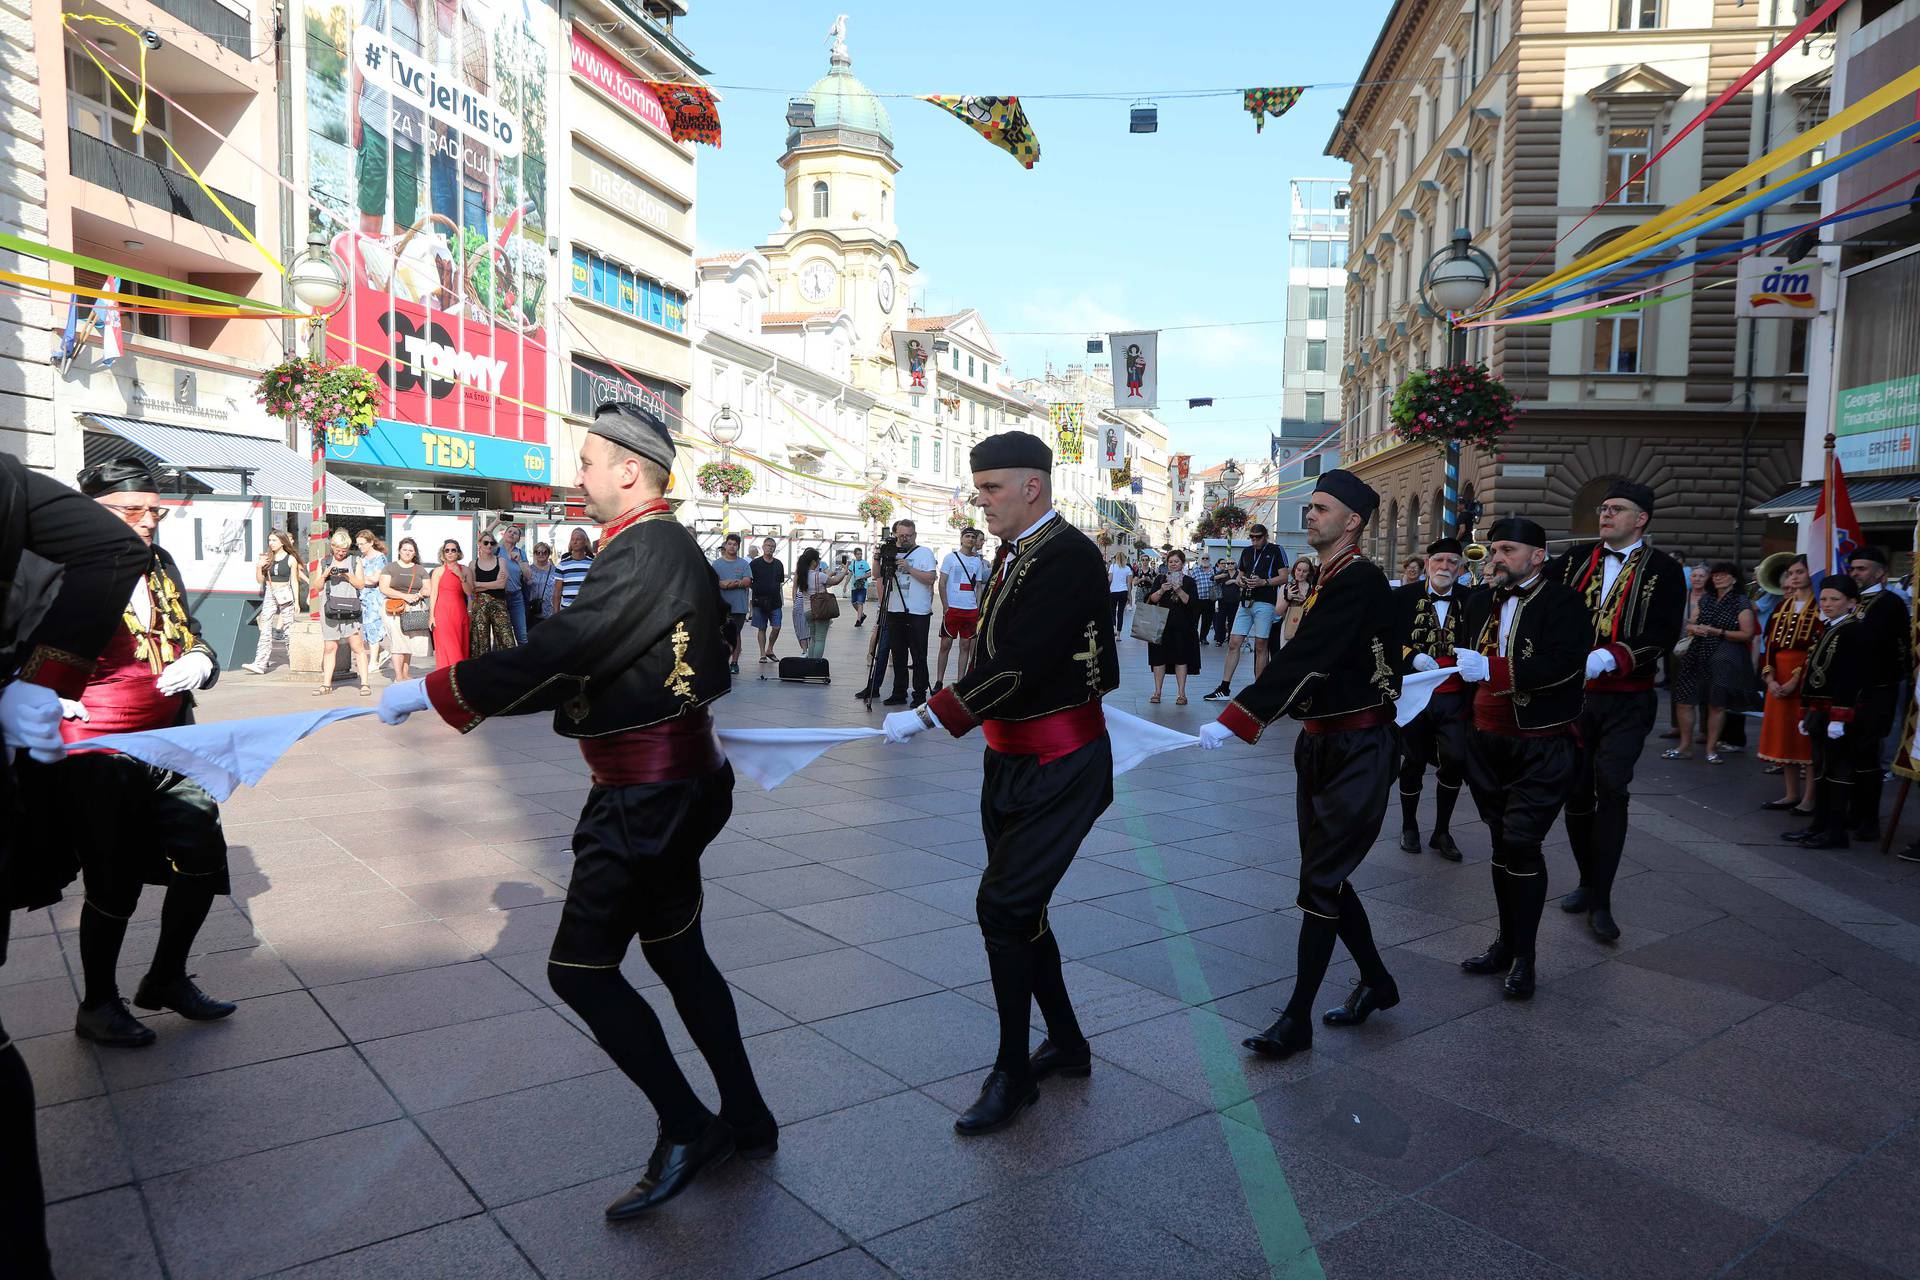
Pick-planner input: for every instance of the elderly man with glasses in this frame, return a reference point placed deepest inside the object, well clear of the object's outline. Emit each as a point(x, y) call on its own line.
point(1259, 576)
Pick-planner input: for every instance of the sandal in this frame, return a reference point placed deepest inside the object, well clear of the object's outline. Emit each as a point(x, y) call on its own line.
point(1180, 701)
point(1714, 757)
point(366, 691)
point(323, 691)
point(1154, 699)
point(1675, 753)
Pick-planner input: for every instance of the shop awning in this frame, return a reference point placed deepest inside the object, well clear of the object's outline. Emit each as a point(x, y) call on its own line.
point(1874, 491)
point(276, 472)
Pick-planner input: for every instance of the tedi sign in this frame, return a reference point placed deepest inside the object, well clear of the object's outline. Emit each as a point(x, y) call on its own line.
point(1770, 288)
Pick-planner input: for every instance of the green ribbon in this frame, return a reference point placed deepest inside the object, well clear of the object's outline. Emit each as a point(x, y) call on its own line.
point(48, 253)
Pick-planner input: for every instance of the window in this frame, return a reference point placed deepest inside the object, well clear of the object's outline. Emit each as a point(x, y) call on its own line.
point(1316, 406)
point(1303, 516)
point(820, 202)
point(100, 112)
point(936, 455)
point(1815, 157)
point(1616, 344)
point(1628, 148)
point(1316, 355)
point(972, 409)
point(1636, 15)
point(1310, 465)
point(1798, 332)
point(1316, 304)
point(956, 359)
point(1319, 253)
point(969, 366)
point(916, 453)
point(1340, 253)
point(884, 194)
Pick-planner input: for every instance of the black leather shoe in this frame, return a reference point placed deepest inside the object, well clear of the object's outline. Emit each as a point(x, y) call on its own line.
point(1051, 1060)
point(755, 1139)
point(1803, 835)
point(1495, 959)
point(1909, 854)
point(1441, 842)
point(1283, 1039)
point(1600, 920)
point(182, 996)
point(1409, 839)
point(900, 701)
point(1361, 1002)
point(1002, 1099)
point(864, 694)
point(1579, 900)
point(1827, 840)
point(672, 1168)
point(113, 1025)
point(1519, 983)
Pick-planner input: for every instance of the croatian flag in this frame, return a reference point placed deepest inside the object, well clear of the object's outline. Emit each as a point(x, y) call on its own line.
point(106, 314)
point(70, 336)
point(1836, 531)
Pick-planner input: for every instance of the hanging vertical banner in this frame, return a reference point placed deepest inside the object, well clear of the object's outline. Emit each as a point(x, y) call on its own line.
point(1136, 369)
point(1069, 423)
point(1113, 446)
point(1261, 103)
point(692, 114)
point(1180, 466)
point(999, 120)
point(912, 361)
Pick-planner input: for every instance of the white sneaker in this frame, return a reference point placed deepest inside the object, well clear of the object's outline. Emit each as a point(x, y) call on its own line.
point(254, 667)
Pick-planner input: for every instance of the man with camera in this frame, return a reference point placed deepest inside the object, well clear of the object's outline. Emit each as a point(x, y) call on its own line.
point(769, 576)
point(1262, 568)
point(909, 612)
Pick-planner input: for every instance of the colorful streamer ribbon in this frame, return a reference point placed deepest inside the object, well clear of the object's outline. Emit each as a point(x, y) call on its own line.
point(1276, 102)
point(1000, 121)
point(142, 303)
point(66, 257)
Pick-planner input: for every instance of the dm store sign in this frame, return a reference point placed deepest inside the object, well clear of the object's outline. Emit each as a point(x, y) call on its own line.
point(408, 446)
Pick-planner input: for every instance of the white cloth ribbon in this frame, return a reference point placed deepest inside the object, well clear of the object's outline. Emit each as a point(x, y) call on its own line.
point(1416, 690)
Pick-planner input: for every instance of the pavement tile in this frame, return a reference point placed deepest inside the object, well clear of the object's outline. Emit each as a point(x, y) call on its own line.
point(1487, 1068)
point(955, 897)
point(404, 870)
point(519, 1145)
point(63, 1066)
point(1195, 1053)
point(1884, 1062)
point(1039, 1230)
point(1074, 1120)
point(1088, 879)
point(1785, 1256)
point(738, 1224)
point(1852, 1217)
point(1272, 938)
point(801, 1074)
point(302, 1202)
point(259, 1030)
point(485, 893)
point(795, 886)
point(1848, 1001)
point(871, 917)
point(449, 1065)
point(470, 1248)
point(848, 1264)
point(185, 1123)
point(1755, 1170)
point(900, 868)
point(921, 1040)
point(1180, 908)
point(102, 1235)
point(743, 857)
point(1412, 1241)
point(81, 1149)
point(1169, 862)
point(299, 921)
point(1252, 887)
point(834, 844)
point(1731, 954)
point(508, 932)
point(324, 961)
point(761, 937)
point(398, 1003)
point(1161, 828)
point(230, 975)
point(808, 988)
point(953, 957)
point(37, 959)
point(1153, 965)
point(1641, 992)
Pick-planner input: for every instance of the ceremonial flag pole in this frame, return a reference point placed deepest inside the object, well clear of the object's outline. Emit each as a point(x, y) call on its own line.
point(1904, 765)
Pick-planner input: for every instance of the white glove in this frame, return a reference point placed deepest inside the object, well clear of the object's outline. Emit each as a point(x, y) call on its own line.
point(1215, 736)
point(901, 725)
point(1601, 661)
point(185, 673)
point(1425, 662)
point(398, 701)
point(1472, 665)
point(1836, 729)
point(71, 710)
point(30, 718)
point(1803, 729)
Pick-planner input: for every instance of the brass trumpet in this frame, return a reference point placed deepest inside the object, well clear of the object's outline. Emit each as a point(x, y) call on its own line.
point(1768, 573)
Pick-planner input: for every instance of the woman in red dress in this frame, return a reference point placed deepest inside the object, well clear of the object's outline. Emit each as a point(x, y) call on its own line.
point(1791, 633)
point(448, 613)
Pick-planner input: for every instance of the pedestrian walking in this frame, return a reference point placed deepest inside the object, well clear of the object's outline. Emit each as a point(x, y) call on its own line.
point(961, 575)
point(282, 580)
point(810, 580)
point(1262, 568)
point(373, 602)
point(1716, 669)
point(340, 614)
point(1178, 649)
point(1531, 636)
point(1796, 626)
point(644, 652)
point(909, 611)
point(1838, 701)
point(450, 609)
point(1206, 598)
point(1336, 679)
point(403, 583)
point(1045, 659)
point(1428, 613)
point(1119, 583)
point(1636, 598)
point(492, 625)
point(862, 571)
point(572, 569)
point(769, 578)
point(736, 586)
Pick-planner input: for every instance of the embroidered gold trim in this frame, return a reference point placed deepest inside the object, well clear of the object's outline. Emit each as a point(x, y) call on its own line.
point(678, 679)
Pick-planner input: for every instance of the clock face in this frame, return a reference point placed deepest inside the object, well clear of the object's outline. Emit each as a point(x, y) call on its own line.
point(885, 289)
point(816, 280)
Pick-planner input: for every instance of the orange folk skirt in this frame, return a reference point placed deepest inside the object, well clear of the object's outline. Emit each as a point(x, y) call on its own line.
point(1781, 741)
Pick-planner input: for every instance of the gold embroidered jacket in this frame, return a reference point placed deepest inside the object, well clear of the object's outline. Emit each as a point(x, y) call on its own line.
point(1838, 682)
point(643, 642)
point(1544, 670)
point(1045, 637)
point(1639, 621)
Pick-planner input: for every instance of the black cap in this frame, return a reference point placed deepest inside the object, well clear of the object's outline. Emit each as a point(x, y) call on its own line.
point(635, 427)
point(1638, 494)
point(1446, 546)
point(1877, 555)
point(122, 475)
point(1843, 584)
point(1011, 450)
point(1518, 529)
point(1353, 492)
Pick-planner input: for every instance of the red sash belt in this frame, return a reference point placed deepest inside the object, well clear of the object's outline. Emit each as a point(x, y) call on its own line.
point(1348, 723)
point(1493, 713)
point(1050, 736)
point(1452, 684)
point(671, 752)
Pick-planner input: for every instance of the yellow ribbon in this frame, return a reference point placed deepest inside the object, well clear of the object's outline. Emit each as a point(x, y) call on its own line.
point(171, 306)
point(139, 106)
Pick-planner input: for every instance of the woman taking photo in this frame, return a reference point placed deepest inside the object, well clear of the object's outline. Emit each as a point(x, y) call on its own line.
point(492, 624)
point(1791, 634)
point(282, 580)
point(1716, 665)
point(1179, 645)
point(373, 602)
point(809, 578)
point(449, 590)
point(1301, 580)
point(404, 581)
point(341, 585)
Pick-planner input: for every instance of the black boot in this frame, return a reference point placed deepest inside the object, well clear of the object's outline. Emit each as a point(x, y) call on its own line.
point(1519, 983)
point(1002, 1098)
point(1410, 839)
point(1287, 1036)
point(182, 996)
point(1409, 816)
point(1441, 842)
point(1051, 1060)
point(111, 1024)
point(672, 1168)
point(1600, 920)
point(1445, 796)
point(1495, 959)
point(1360, 1004)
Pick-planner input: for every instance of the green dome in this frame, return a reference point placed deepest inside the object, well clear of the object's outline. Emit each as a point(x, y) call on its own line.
point(841, 102)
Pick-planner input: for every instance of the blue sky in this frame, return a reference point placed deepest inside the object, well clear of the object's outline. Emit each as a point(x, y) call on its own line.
point(1109, 229)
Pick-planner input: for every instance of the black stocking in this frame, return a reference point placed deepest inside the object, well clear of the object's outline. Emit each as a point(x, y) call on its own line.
point(1529, 895)
point(182, 913)
point(706, 1008)
point(1502, 899)
point(1357, 933)
point(1012, 969)
point(1317, 934)
point(100, 937)
point(1050, 993)
point(1445, 796)
point(630, 1032)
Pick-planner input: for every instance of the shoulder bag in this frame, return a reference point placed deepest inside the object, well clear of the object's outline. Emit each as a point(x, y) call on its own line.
point(338, 607)
point(822, 605)
point(1149, 620)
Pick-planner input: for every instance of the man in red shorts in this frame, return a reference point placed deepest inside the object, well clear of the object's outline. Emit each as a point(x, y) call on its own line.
point(961, 575)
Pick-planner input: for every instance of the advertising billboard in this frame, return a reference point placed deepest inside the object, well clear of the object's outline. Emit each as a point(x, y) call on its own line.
point(427, 145)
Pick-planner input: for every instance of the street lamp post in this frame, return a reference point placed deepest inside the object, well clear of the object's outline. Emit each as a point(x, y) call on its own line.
point(1230, 481)
point(1454, 279)
point(317, 284)
point(724, 431)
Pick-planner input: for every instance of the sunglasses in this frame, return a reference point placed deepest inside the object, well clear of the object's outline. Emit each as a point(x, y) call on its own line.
point(486, 542)
point(131, 512)
point(449, 551)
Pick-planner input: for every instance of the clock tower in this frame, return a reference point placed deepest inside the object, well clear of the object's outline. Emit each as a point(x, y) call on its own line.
point(837, 246)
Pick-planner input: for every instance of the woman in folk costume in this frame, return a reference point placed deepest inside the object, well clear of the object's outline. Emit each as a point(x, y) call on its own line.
point(1795, 628)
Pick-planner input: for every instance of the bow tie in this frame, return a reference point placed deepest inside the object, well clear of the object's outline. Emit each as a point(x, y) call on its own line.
point(1513, 593)
point(1611, 554)
point(1446, 599)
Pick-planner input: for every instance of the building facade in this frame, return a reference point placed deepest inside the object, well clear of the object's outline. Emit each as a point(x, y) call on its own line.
point(1140, 511)
point(1512, 120)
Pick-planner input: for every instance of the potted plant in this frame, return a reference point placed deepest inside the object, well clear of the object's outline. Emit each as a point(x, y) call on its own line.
point(731, 479)
point(1459, 404)
point(323, 393)
point(876, 508)
point(1227, 518)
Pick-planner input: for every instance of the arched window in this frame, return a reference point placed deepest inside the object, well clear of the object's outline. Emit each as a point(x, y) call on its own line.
point(884, 194)
point(1436, 512)
point(820, 203)
point(1414, 545)
point(1391, 529)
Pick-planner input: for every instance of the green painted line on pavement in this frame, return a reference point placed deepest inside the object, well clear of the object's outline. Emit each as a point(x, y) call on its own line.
point(1275, 1213)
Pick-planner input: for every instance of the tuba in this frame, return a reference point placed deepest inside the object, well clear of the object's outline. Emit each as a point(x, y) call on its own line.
point(1769, 572)
point(1475, 552)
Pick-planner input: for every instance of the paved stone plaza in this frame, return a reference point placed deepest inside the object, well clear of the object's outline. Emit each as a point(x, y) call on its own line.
point(1731, 1090)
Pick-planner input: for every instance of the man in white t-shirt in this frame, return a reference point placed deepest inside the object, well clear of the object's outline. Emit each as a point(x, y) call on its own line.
point(909, 608)
point(1119, 579)
point(962, 575)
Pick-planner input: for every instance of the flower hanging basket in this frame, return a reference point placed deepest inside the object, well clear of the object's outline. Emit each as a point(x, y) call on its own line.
point(876, 508)
point(1455, 404)
point(321, 393)
point(958, 520)
point(729, 478)
point(1204, 529)
point(1104, 538)
point(1226, 518)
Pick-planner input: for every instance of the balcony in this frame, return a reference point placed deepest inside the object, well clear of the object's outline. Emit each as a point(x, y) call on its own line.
point(213, 20)
point(138, 178)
